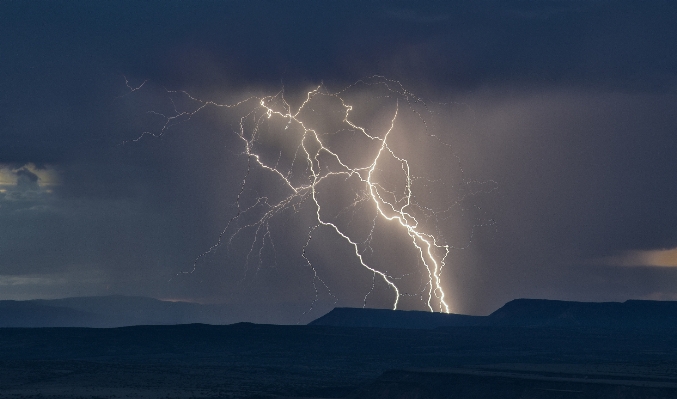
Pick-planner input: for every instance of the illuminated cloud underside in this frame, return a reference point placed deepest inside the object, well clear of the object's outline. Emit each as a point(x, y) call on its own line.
point(47, 176)
point(656, 258)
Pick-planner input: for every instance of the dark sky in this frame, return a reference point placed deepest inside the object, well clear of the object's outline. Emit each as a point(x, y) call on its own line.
point(542, 136)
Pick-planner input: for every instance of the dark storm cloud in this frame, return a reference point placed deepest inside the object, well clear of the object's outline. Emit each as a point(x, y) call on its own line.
point(65, 59)
point(566, 105)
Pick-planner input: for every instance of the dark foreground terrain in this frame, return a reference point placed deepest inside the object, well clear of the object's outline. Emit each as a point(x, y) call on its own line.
point(266, 361)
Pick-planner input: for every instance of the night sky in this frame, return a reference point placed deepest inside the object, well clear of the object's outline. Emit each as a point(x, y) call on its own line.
point(542, 134)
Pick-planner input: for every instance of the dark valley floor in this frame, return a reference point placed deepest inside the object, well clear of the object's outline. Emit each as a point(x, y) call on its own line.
point(267, 361)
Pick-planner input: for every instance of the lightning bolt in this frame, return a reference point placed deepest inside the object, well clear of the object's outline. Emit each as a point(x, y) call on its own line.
point(314, 164)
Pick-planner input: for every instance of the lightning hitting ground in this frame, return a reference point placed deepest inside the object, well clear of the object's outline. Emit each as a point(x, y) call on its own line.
point(340, 162)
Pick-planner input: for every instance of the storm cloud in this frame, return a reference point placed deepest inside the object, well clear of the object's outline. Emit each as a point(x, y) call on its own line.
point(557, 118)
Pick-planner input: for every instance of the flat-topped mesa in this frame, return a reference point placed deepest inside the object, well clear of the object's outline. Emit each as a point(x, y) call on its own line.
point(385, 318)
point(631, 314)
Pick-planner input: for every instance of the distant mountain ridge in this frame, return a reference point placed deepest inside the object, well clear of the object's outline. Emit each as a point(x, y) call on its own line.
point(631, 314)
point(104, 311)
point(33, 314)
point(120, 311)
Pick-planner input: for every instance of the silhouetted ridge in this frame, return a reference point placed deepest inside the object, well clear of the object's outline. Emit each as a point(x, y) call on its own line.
point(632, 314)
point(117, 311)
point(628, 314)
point(384, 318)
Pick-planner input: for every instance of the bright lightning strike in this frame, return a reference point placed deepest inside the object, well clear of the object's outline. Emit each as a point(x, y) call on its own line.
point(315, 156)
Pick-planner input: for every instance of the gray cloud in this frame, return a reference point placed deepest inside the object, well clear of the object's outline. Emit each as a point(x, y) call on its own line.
point(558, 118)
